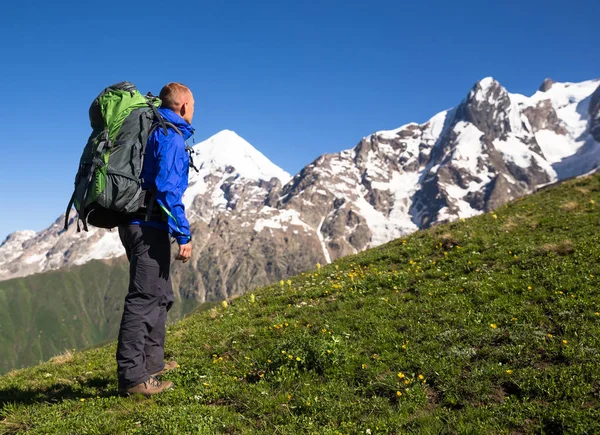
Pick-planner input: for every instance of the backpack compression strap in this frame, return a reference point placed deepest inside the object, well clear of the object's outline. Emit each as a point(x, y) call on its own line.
point(103, 143)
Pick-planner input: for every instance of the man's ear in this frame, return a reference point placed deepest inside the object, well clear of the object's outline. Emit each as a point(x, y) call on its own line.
point(183, 109)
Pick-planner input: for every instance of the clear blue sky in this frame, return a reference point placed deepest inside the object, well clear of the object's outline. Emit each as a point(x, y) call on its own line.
point(295, 78)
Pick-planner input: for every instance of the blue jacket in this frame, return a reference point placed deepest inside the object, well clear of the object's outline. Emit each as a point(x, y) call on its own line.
point(165, 171)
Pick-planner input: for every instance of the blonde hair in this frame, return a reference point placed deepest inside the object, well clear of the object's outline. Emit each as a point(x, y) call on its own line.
point(173, 95)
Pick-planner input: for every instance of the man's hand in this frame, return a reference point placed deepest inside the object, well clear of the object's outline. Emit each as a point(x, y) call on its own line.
point(185, 252)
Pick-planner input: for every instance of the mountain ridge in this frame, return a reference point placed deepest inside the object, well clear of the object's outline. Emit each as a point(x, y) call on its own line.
point(492, 147)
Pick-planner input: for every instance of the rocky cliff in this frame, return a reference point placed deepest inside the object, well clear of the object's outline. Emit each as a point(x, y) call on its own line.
point(253, 223)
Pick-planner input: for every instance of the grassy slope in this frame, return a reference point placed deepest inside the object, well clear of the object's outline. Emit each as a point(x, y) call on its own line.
point(490, 325)
point(44, 314)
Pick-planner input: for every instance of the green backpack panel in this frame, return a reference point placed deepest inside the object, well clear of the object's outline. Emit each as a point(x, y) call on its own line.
point(107, 185)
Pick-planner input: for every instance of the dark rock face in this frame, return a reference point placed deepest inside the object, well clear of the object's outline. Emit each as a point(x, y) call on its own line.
point(544, 117)
point(347, 232)
point(381, 200)
point(427, 202)
point(486, 107)
point(594, 112)
point(498, 192)
point(546, 85)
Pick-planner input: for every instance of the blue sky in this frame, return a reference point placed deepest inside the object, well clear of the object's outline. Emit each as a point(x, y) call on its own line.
point(295, 78)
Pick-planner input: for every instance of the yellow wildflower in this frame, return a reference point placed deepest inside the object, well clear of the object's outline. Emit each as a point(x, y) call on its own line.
point(493, 326)
point(400, 375)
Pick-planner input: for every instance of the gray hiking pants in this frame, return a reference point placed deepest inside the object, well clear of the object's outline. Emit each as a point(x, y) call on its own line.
point(141, 346)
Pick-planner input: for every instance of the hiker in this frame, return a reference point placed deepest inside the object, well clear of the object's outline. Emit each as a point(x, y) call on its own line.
point(147, 241)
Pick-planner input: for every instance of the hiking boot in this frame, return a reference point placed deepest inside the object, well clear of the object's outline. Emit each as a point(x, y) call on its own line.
point(169, 365)
point(148, 388)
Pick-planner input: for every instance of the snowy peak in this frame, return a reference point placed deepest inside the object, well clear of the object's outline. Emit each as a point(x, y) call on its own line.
point(487, 107)
point(227, 150)
point(19, 237)
point(14, 245)
point(231, 172)
point(571, 101)
point(486, 85)
point(487, 90)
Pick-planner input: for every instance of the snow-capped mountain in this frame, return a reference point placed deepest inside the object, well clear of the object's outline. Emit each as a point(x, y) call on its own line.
point(493, 147)
point(253, 223)
point(27, 252)
point(227, 164)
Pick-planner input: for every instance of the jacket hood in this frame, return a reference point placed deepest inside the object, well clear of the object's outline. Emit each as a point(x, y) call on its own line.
point(186, 129)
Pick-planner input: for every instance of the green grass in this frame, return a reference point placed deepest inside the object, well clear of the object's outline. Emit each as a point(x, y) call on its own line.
point(44, 314)
point(489, 325)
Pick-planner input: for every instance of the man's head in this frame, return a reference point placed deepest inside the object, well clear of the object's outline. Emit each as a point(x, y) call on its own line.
point(179, 99)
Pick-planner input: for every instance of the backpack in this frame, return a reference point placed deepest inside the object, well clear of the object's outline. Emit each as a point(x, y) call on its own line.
point(108, 187)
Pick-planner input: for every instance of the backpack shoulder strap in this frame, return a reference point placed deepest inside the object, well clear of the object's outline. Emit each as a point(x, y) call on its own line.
point(158, 120)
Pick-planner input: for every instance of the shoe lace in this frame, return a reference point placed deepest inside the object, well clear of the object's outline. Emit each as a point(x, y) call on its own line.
point(152, 382)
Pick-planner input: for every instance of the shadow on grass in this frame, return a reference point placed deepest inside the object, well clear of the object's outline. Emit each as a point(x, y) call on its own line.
point(59, 392)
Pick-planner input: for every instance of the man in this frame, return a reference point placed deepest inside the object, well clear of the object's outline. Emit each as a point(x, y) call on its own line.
point(147, 242)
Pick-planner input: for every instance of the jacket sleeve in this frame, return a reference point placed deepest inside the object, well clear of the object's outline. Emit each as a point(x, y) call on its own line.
point(171, 182)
